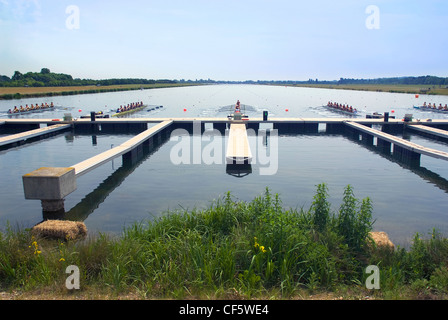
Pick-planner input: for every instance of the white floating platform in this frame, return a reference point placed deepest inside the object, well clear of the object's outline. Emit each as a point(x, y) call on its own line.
point(238, 149)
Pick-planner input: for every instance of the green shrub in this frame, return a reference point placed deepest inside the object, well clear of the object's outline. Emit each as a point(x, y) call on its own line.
point(252, 248)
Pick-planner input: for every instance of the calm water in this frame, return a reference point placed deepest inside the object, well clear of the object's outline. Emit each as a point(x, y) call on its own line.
point(406, 200)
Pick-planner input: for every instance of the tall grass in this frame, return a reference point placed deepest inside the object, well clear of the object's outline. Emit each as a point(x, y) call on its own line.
point(232, 249)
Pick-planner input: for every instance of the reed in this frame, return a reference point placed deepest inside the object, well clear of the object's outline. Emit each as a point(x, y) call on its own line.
point(232, 249)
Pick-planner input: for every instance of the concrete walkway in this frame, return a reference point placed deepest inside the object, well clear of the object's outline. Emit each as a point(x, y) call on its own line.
point(96, 161)
point(13, 138)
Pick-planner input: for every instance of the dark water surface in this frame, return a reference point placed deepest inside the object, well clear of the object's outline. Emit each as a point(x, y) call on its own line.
point(405, 199)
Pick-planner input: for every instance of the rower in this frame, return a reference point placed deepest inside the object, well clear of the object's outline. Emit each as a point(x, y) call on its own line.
point(237, 106)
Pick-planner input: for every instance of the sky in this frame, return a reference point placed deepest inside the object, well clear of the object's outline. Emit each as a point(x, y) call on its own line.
point(225, 40)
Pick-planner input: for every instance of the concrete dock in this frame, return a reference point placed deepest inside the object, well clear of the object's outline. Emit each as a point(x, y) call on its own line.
point(399, 144)
point(238, 149)
point(51, 185)
point(429, 130)
point(19, 137)
point(96, 161)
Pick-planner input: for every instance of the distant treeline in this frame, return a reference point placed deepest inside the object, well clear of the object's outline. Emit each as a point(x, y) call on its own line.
point(46, 78)
point(422, 80)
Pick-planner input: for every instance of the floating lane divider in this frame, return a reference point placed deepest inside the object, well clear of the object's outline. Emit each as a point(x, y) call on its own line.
point(14, 138)
point(51, 185)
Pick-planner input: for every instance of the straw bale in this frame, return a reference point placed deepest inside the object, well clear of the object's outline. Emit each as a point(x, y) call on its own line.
point(381, 239)
point(60, 229)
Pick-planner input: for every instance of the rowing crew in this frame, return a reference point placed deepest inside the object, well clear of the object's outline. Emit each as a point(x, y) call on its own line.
point(433, 106)
point(131, 106)
point(31, 108)
point(341, 107)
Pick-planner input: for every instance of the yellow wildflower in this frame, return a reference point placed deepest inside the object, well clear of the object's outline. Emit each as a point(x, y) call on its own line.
point(36, 247)
point(256, 243)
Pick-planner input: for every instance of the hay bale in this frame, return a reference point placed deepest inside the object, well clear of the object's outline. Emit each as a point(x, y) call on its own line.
point(381, 239)
point(60, 229)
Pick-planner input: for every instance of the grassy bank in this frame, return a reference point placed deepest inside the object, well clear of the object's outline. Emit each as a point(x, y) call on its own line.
point(8, 93)
point(413, 89)
point(232, 250)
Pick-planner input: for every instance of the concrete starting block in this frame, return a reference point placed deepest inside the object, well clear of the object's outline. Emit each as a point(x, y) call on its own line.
point(50, 185)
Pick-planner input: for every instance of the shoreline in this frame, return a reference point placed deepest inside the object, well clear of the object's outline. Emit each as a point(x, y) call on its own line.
point(15, 93)
point(410, 89)
point(234, 250)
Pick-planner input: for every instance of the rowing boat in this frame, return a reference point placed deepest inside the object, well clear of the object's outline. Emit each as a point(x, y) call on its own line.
point(119, 114)
point(31, 111)
point(425, 108)
point(348, 112)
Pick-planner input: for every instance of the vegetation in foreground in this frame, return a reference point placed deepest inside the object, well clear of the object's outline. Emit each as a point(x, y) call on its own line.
point(232, 250)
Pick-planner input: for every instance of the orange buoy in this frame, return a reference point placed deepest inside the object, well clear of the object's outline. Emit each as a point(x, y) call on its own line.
point(393, 111)
point(416, 95)
point(185, 110)
point(79, 110)
point(286, 110)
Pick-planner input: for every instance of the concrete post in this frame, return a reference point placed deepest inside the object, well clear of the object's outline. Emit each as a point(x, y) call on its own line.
point(50, 185)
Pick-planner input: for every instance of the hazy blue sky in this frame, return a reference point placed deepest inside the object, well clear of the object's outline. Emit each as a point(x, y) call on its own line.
point(225, 40)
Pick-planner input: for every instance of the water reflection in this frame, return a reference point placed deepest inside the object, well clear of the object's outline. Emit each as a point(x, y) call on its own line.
point(91, 202)
point(406, 163)
point(238, 170)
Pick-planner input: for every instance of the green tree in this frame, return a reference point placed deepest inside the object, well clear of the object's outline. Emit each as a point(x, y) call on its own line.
point(17, 76)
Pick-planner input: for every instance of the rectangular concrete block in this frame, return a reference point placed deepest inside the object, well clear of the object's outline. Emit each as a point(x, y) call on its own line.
point(49, 183)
